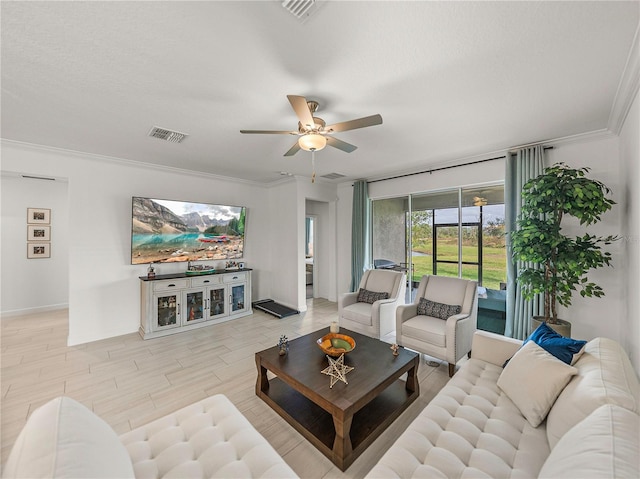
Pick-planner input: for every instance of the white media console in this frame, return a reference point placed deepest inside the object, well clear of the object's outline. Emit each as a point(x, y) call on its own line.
point(172, 303)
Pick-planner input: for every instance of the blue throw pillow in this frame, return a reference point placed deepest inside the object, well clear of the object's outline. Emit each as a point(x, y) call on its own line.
point(565, 349)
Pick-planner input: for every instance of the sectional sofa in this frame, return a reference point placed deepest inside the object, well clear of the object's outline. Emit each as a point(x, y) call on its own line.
point(536, 417)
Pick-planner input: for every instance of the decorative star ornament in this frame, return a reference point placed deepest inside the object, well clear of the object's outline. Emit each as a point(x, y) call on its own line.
point(337, 370)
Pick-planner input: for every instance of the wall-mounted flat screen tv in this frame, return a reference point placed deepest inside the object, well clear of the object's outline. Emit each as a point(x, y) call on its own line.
point(166, 231)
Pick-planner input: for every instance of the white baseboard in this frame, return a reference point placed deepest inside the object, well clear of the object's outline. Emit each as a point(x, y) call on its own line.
point(37, 310)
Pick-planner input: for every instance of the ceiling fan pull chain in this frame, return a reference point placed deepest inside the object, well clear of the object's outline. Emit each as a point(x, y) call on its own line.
point(313, 166)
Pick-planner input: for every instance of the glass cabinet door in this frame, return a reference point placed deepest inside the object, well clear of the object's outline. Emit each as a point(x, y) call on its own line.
point(217, 304)
point(167, 311)
point(238, 300)
point(195, 306)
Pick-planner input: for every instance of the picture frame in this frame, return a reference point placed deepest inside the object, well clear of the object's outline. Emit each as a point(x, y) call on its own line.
point(39, 216)
point(38, 233)
point(38, 250)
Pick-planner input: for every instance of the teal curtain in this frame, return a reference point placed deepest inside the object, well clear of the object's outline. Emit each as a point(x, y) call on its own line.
point(359, 232)
point(527, 163)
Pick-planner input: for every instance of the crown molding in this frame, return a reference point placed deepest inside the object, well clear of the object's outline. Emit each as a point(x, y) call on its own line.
point(127, 162)
point(627, 88)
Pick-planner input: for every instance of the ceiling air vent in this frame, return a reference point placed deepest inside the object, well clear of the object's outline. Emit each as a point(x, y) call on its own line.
point(301, 9)
point(167, 135)
point(332, 176)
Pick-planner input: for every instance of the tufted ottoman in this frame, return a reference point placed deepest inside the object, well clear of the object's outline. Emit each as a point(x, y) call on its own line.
point(210, 438)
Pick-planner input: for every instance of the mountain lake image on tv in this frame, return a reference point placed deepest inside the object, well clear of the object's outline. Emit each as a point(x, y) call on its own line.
point(165, 231)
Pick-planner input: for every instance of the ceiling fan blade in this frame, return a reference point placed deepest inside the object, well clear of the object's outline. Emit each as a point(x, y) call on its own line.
point(355, 124)
point(299, 104)
point(270, 132)
point(341, 145)
point(293, 150)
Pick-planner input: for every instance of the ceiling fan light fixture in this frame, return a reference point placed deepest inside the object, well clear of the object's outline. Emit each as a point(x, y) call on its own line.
point(312, 142)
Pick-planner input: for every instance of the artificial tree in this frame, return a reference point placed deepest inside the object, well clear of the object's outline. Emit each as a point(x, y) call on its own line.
point(556, 264)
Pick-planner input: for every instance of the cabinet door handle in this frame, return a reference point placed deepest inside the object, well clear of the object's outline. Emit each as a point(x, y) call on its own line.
point(206, 281)
point(235, 277)
point(178, 309)
point(171, 285)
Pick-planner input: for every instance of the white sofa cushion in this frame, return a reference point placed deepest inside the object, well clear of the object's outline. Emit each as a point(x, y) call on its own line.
point(64, 439)
point(533, 379)
point(359, 312)
point(470, 429)
point(426, 329)
point(207, 439)
point(605, 444)
point(605, 376)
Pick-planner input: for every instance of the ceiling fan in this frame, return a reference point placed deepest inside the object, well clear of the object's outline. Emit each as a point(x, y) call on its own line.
point(313, 132)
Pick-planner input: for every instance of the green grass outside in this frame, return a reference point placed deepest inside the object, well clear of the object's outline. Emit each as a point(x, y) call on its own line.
point(494, 263)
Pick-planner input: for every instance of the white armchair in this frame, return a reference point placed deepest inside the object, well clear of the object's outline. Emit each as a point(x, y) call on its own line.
point(442, 325)
point(376, 318)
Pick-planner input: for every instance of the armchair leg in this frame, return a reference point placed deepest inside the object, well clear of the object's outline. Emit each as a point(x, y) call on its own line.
point(452, 369)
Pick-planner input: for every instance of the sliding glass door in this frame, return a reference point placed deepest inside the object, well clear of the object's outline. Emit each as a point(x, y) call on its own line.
point(457, 232)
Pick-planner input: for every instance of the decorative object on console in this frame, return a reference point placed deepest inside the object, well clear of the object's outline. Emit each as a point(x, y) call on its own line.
point(283, 345)
point(336, 344)
point(550, 262)
point(151, 271)
point(337, 369)
point(394, 348)
point(195, 269)
point(231, 265)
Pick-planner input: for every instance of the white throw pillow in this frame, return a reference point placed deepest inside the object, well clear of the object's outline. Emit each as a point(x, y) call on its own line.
point(533, 379)
point(64, 439)
point(605, 444)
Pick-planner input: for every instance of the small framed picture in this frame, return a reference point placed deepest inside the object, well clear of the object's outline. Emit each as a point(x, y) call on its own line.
point(38, 233)
point(38, 216)
point(38, 250)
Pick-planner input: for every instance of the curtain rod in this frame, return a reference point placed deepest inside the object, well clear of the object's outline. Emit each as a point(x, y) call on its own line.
point(447, 167)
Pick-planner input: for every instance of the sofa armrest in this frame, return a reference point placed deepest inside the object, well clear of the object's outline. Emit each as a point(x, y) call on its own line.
point(347, 299)
point(405, 312)
point(493, 348)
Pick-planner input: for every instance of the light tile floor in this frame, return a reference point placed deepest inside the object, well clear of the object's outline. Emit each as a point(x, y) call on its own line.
point(129, 382)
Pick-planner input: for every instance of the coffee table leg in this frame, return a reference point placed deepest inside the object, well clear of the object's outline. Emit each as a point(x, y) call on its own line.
point(412, 378)
point(342, 444)
point(262, 383)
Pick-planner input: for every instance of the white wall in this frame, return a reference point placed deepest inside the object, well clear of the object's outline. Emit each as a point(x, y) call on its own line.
point(593, 317)
point(281, 270)
point(630, 211)
point(104, 294)
point(30, 285)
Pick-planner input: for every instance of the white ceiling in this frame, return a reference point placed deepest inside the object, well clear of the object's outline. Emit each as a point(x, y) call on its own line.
point(450, 79)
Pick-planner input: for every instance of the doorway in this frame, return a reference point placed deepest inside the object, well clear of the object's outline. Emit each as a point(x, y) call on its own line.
point(309, 256)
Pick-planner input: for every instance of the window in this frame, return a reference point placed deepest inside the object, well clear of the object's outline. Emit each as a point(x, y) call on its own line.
point(456, 233)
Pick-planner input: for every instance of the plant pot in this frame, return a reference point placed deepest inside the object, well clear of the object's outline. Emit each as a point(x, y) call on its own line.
point(562, 327)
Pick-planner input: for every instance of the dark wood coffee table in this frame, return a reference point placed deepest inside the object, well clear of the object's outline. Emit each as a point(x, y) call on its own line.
point(344, 420)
